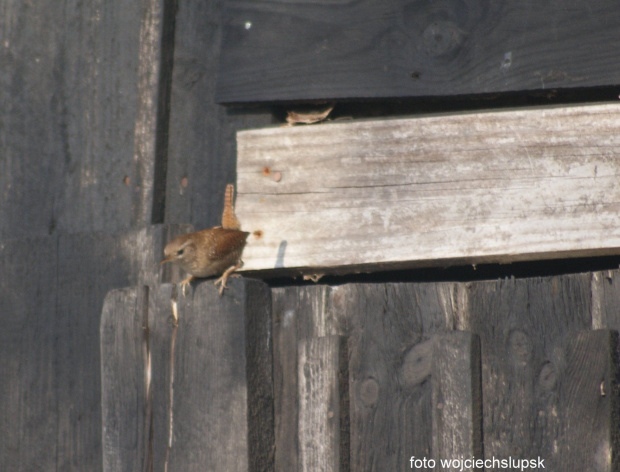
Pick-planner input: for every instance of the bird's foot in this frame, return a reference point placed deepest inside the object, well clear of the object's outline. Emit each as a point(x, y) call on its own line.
point(224, 278)
point(185, 282)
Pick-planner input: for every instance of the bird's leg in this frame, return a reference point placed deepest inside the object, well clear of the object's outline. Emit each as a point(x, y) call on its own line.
point(227, 273)
point(185, 282)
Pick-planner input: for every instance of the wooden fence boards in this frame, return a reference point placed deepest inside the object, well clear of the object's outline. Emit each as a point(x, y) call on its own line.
point(125, 374)
point(588, 406)
point(28, 413)
point(51, 297)
point(300, 315)
point(69, 96)
point(218, 406)
point(320, 395)
point(290, 50)
point(456, 384)
point(436, 190)
point(528, 377)
point(524, 327)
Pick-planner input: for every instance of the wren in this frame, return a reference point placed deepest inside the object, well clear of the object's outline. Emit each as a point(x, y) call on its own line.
point(210, 252)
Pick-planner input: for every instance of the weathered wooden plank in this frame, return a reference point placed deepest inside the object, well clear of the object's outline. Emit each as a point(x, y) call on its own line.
point(259, 373)
point(587, 403)
point(390, 357)
point(201, 144)
point(319, 361)
point(291, 50)
point(210, 378)
point(300, 314)
point(126, 396)
point(212, 421)
point(524, 327)
point(606, 300)
point(435, 190)
point(456, 398)
point(69, 117)
point(28, 396)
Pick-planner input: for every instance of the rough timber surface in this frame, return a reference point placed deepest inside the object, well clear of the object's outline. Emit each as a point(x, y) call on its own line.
point(78, 105)
point(321, 49)
point(201, 142)
point(434, 190)
point(221, 390)
point(51, 296)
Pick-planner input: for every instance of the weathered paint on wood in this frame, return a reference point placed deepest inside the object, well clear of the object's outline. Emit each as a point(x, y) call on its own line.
point(221, 415)
point(291, 50)
point(435, 190)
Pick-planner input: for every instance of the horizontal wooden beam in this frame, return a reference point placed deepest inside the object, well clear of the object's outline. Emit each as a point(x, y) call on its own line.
point(462, 188)
point(289, 50)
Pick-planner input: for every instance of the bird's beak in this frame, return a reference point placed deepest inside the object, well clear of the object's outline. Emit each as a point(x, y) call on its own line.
point(168, 259)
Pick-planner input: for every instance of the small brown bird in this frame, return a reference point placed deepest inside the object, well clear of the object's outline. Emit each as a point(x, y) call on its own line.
point(212, 251)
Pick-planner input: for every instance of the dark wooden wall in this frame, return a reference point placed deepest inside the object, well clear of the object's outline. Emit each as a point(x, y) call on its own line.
point(100, 138)
point(110, 136)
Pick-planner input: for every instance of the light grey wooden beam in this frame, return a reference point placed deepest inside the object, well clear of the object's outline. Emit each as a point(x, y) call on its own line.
point(462, 188)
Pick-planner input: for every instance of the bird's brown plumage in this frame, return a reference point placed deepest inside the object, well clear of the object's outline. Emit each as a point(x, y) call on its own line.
point(213, 251)
point(208, 252)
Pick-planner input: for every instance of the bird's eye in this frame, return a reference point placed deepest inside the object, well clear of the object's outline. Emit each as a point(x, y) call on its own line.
point(180, 252)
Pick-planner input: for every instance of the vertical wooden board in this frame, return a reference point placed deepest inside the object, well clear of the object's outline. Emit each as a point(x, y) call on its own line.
point(161, 327)
point(28, 396)
point(588, 404)
point(606, 300)
point(211, 380)
point(390, 358)
point(90, 265)
point(456, 397)
point(298, 314)
point(259, 373)
point(523, 326)
point(69, 98)
point(125, 371)
point(201, 151)
point(319, 403)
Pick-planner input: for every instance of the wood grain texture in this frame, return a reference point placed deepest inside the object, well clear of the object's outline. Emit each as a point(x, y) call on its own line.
point(390, 329)
point(456, 397)
point(222, 417)
point(436, 190)
point(75, 93)
point(291, 50)
point(51, 296)
point(28, 390)
point(525, 328)
point(300, 314)
point(211, 410)
point(126, 381)
point(201, 143)
point(588, 406)
point(320, 403)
